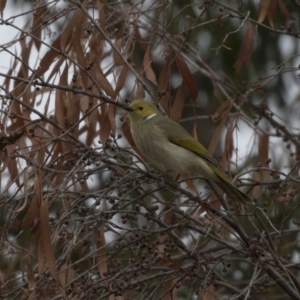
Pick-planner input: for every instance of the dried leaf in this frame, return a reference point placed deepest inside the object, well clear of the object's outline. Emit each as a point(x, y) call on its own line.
point(164, 75)
point(49, 57)
point(121, 80)
point(222, 110)
point(45, 239)
point(101, 252)
point(187, 77)
point(111, 112)
point(284, 10)
point(1, 277)
point(105, 125)
point(100, 7)
point(33, 210)
point(25, 184)
point(61, 99)
point(70, 275)
point(178, 103)
point(36, 24)
point(119, 60)
point(208, 293)
point(73, 113)
point(13, 168)
point(246, 49)
point(189, 182)
point(30, 277)
point(90, 102)
point(67, 34)
point(103, 82)
point(139, 38)
point(255, 191)
point(271, 14)
point(83, 183)
point(147, 67)
point(264, 10)
point(220, 114)
point(84, 105)
point(63, 274)
point(263, 153)
point(229, 143)
point(169, 290)
point(2, 7)
point(7, 80)
point(163, 84)
point(78, 48)
point(195, 131)
point(92, 133)
point(56, 68)
point(140, 92)
point(42, 267)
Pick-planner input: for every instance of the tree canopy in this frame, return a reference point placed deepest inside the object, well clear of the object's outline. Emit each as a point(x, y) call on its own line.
point(83, 215)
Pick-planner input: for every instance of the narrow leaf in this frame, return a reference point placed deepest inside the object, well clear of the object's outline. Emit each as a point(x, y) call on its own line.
point(101, 252)
point(229, 143)
point(2, 7)
point(178, 103)
point(78, 48)
point(103, 82)
point(140, 92)
point(25, 184)
point(264, 10)
point(33, 211)
point(121, 80)
point(222, 114)
point(222, 110)
point(147, 67)
point(67, 33)
point(105, 125)
point(263, 153)
point(163, 83)
point(49, 57)
point(284, 10)
point(61, 98)
point(164, 75)
point(119, 60)
point(187, 77)
point(111, 112)
point(31, 277)
point(36, 24)
point(246, 49)
point(189, 182)
point(46, 241)
point(271, 13)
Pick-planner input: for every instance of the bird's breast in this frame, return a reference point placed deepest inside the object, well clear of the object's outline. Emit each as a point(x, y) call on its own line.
point(167, 156)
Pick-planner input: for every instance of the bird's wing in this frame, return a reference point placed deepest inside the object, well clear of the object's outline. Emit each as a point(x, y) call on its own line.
point(194, 146)
point(183, 139)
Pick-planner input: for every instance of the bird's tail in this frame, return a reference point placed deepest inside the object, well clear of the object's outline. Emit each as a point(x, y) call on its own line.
point(232, 191)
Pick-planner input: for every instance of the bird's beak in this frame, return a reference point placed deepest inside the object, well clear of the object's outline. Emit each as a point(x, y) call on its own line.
point(126, 107)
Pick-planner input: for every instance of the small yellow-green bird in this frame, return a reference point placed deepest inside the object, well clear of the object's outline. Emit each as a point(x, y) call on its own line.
point(170, 147)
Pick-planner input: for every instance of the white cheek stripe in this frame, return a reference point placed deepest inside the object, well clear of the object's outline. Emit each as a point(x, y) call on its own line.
point(150, 117)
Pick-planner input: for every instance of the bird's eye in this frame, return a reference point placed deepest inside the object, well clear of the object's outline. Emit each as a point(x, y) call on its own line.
point(141, 108)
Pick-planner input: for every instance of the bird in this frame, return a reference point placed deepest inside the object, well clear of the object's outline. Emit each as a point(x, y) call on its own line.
point(170, 148)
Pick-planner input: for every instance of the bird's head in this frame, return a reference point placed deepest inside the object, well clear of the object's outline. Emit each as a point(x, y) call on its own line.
point(141, 110)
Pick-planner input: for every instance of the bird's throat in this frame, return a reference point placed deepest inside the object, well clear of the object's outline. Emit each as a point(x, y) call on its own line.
point(150, 117)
